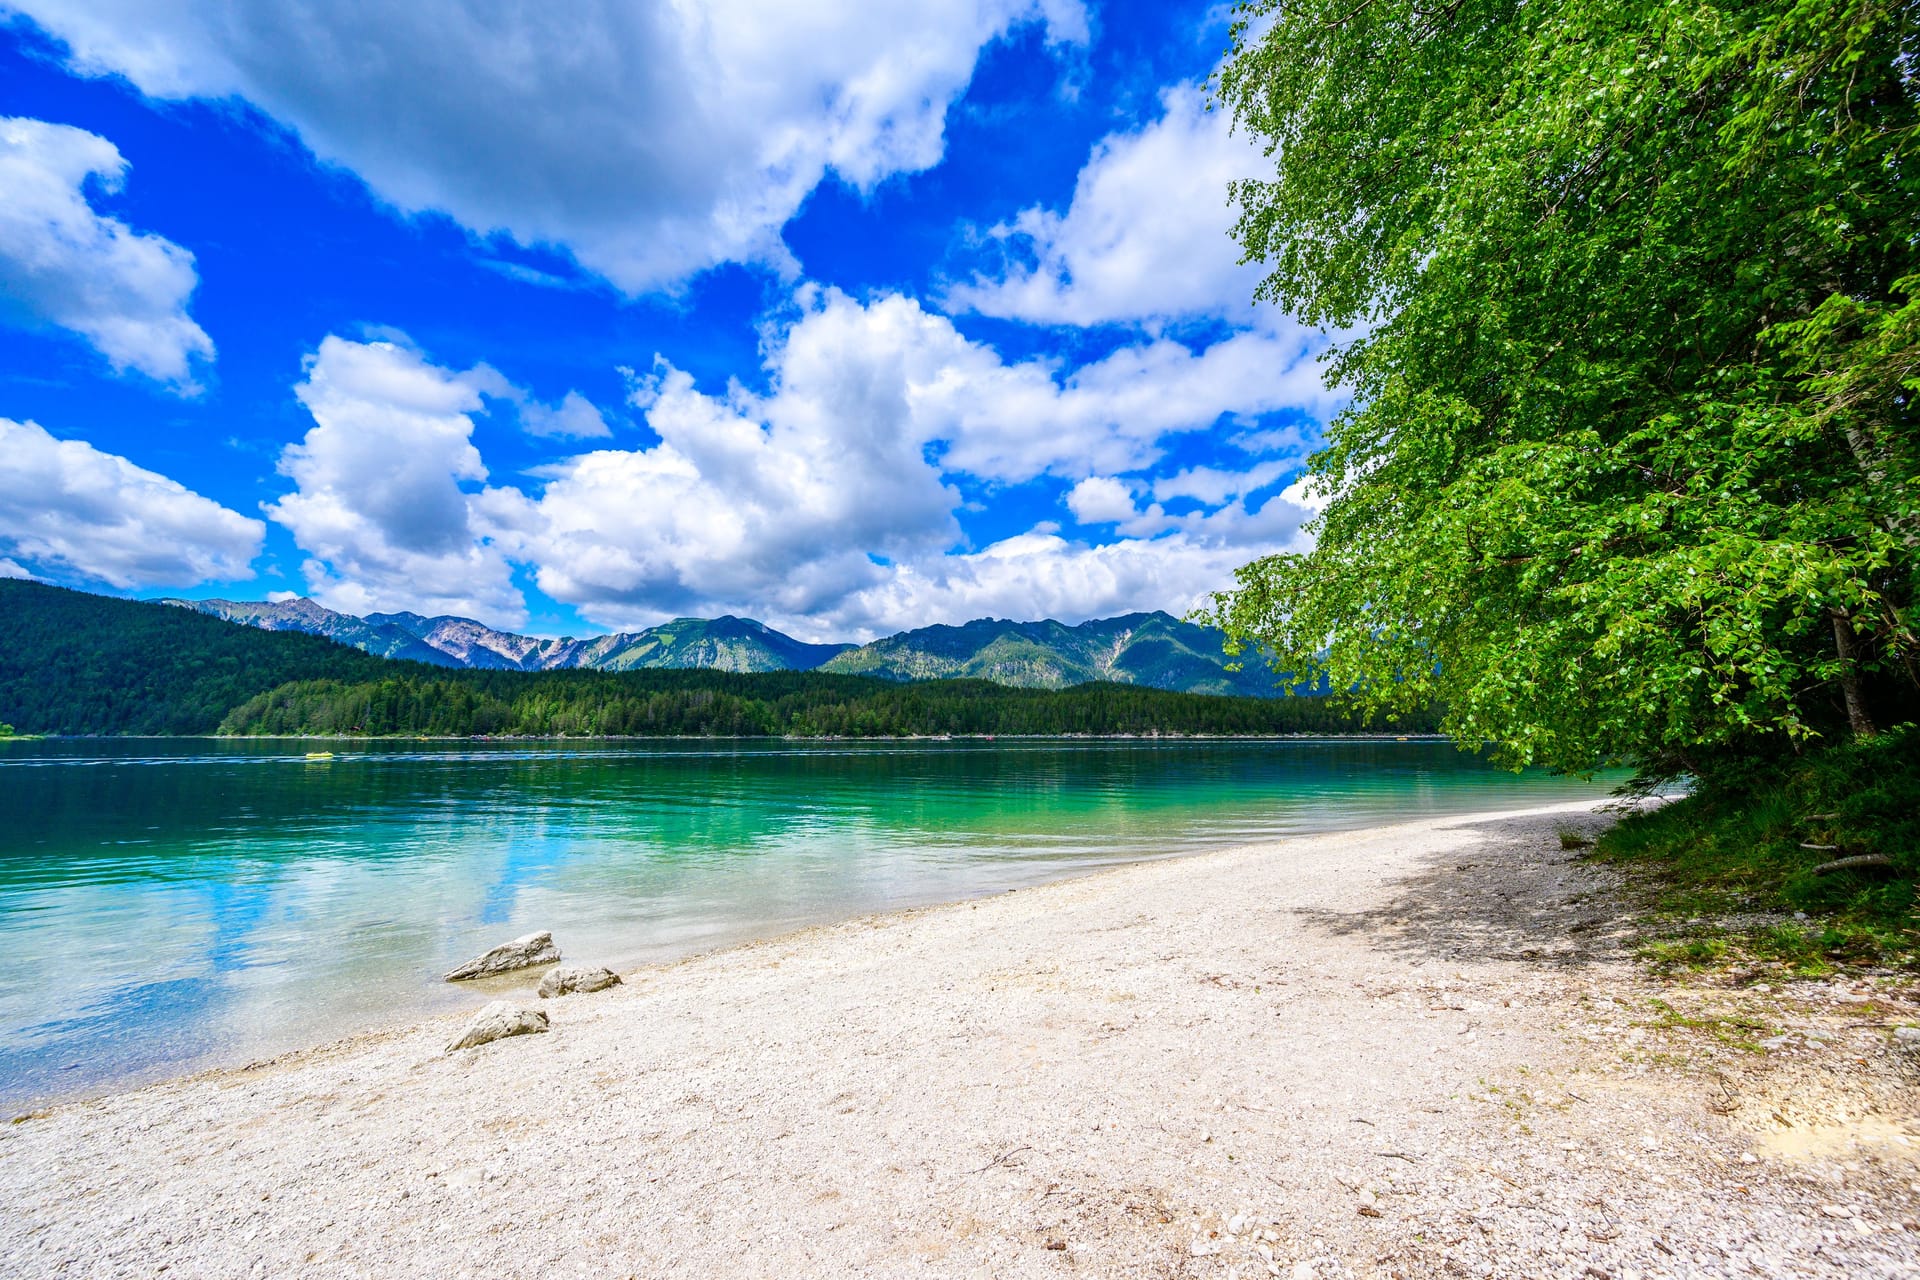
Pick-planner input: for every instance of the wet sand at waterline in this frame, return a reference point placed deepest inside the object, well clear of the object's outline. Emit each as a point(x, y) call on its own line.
point(1418, 1050)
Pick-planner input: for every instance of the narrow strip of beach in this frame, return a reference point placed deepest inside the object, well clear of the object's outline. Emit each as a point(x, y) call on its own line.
point(1414, 1050)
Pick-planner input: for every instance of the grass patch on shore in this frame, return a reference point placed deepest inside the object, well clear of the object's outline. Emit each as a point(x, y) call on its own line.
point(1753, 844)
point(1735, 1030)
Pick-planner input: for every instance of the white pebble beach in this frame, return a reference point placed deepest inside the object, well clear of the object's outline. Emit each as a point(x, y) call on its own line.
point(1418, 1050)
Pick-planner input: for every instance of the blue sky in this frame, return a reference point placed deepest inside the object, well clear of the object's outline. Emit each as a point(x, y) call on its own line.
point(850, 317)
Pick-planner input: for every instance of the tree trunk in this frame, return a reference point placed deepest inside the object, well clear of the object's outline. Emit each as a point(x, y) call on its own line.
point(1843, 639)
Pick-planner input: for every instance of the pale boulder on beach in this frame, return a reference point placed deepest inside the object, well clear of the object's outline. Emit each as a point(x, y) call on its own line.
point(498, 1021)
point(521, 953)
point(577, 979)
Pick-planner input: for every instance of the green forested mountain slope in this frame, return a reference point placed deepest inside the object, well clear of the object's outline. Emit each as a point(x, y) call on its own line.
point(1156, 650)
point(76, 663)
point(72, 663)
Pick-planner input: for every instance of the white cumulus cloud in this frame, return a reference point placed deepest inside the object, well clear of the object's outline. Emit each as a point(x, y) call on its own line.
point(385, 486)
point(820, 498)
point(573, 417)
point(652, 138)
point(64, 265)
point(834, 498)
point(1146, 236)
point(1011, 422)
point(1100, 500)
point(68, 508)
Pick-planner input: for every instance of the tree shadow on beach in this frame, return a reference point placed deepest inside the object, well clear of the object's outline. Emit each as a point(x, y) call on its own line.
point(1513, 893)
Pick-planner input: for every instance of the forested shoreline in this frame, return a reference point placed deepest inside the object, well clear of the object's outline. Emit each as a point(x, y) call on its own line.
point(75, 664)
point(782, 704)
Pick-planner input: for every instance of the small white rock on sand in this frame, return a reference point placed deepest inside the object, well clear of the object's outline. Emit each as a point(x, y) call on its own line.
point(1412, 1051)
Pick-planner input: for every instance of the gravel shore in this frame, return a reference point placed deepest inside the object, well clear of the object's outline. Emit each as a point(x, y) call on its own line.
point(1412, 1051)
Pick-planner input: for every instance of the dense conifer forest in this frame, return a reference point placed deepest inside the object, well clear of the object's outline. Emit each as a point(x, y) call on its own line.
point(76, 663)
point(804, 704)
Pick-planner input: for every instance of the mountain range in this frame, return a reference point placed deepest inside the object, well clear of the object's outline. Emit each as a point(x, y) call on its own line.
point(1152, 649)
point(718, 644)
point(1155, 650)
point(74, 663)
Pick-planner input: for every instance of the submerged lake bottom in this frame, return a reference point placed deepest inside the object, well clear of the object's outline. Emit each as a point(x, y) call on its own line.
point(184, 903)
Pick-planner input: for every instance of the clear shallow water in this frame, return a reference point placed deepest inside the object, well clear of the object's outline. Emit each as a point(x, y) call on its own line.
point(174, 903)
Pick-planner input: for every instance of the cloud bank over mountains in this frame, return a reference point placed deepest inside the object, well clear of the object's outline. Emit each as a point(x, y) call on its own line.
point(838, 489)
point(829, 504)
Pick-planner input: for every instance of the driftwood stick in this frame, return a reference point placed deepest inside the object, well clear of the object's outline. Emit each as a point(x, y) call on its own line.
point(1000, 1159)
point(1858, 860)
point(1819, 848)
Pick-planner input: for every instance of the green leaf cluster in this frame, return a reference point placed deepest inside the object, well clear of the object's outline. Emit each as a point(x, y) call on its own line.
point(1630, 297)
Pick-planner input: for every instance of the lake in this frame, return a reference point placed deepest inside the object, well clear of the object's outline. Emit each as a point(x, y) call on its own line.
point(178, 903)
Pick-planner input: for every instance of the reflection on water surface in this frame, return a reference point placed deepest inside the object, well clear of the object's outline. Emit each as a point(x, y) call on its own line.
point(187, 901)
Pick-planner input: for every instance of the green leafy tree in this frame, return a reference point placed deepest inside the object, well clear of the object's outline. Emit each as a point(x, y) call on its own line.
point(1630, 296)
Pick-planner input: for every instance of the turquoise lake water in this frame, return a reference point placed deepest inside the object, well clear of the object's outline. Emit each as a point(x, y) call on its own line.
point(181, 903)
